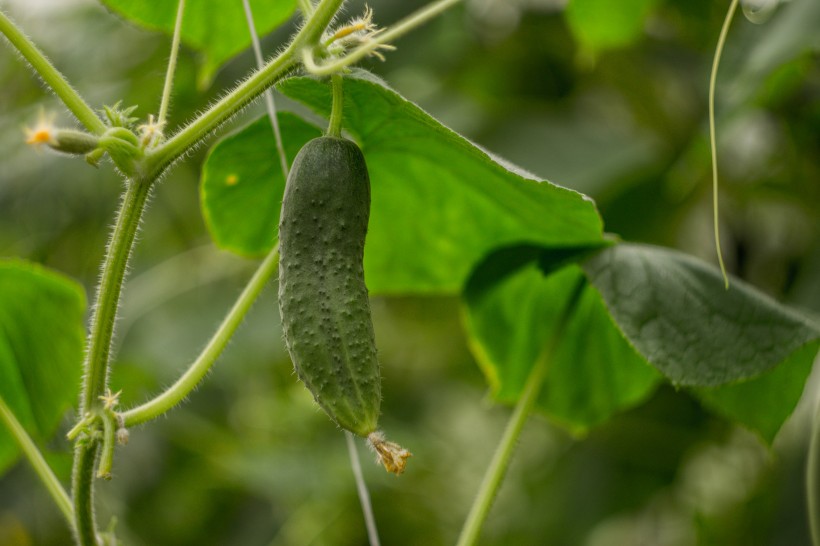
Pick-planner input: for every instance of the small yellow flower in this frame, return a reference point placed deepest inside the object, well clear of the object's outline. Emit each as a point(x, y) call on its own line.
point(43, 132)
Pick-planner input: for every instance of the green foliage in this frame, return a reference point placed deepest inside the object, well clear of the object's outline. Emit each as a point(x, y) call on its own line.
point(763, 403)
point(676, 312)
point(511, 314)
point(215, 28)
point(450, 218)
point(41, 346)
point(439, 202)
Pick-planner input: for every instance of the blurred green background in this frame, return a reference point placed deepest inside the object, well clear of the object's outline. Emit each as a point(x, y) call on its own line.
point(250, 459)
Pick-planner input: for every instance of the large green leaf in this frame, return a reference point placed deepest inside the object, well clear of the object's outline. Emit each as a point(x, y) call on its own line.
point(242, 184)
point(216, 28)
point(675, 311)
point(439, 203)
point(41, 346)
point(511, 311)
point(657, 298)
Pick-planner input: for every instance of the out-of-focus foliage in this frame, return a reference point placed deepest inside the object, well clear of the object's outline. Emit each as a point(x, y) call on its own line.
point(217, 29)
point(41, 345)
point(250, 460)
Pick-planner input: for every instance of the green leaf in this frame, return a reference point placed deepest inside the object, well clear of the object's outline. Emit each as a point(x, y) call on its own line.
point(439, 203)
point(764, 403)
point(216, 28)
point(677, 314)
point(242, 184)
point(41, 347)
point(600, 24)
point(511, 311)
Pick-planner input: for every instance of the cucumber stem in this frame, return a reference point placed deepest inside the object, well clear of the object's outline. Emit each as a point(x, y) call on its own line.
point(334, 128)
point(172, 63)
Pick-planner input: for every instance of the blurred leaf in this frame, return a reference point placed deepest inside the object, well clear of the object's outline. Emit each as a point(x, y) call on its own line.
point(242, 184)
point(676, 312)
point(511, 311)
point(41, 348)
point(216, 28)
point(764, 402)
point(439, 202)
point(600, 24)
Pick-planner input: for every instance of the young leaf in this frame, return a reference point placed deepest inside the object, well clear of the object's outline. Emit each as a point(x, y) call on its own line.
point(440, 203)
point(676, 313)
point(242, 184)
point(41, 346)
point(215, 28)
point(511, 308)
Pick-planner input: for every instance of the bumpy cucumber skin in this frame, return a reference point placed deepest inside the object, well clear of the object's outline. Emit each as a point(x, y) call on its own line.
point(322, 294)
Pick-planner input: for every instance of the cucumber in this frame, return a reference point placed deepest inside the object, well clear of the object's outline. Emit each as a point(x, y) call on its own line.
point(322, 294)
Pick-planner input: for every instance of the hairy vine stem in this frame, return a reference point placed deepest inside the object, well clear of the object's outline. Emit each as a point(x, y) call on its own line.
point(177, 392)
point(96, 365)
point(95, 378)
point(51, 76)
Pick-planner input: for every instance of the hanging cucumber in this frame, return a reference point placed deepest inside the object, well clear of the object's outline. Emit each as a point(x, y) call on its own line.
point(323, 299)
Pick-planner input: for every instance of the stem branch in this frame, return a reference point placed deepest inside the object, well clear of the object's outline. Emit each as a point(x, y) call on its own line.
point(501, 458)
point(334, 128)
point(177, 392)
point(51, 76)
point(172, 64)
point(38, 462)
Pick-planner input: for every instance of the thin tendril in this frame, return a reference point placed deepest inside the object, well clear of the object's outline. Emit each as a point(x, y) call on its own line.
point(712, 139)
